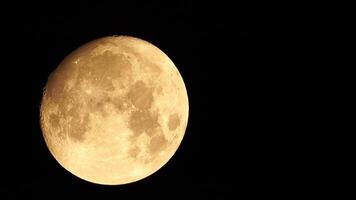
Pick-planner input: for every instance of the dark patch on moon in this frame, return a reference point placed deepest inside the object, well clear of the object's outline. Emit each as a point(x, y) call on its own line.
point(97, 104)
point(134, 151)
point(173, 122)
point(157, 143)
point(143, 121)
point(118, 103)
point(140, 95)
point(102, 69)
point(109, 64)
point(78, 127)
point(54, 120)
point(75, 125)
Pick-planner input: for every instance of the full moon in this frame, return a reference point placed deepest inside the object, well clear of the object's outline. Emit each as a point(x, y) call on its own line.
point(114, 111)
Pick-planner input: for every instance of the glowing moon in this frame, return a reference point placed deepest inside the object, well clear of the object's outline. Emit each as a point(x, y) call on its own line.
point(114, 111)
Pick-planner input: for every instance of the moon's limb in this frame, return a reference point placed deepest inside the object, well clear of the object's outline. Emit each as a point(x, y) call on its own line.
point(114, 111)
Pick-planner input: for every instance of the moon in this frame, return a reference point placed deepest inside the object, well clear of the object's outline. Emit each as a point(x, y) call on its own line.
point(114, 111)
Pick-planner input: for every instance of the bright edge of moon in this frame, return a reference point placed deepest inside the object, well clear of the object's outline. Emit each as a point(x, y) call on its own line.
point(114, 111)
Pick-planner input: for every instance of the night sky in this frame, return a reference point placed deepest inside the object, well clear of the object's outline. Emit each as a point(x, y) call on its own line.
point(224, 54)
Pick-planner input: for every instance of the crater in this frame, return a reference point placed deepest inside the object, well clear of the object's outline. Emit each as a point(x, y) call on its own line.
point(173, 122)
point(143, 121)
point(140, 95)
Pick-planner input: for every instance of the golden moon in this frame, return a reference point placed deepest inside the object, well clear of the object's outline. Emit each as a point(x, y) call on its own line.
point(114, 111)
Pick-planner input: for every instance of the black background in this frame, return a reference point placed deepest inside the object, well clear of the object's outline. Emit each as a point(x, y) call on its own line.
point(226, 55)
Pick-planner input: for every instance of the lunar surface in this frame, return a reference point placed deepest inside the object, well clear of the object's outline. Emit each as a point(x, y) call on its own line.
point(114, 111)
